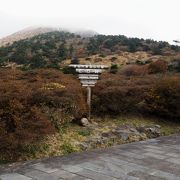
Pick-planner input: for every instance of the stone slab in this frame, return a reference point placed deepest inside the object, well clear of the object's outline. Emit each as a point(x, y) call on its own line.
point(14, 176)
point(154, 159)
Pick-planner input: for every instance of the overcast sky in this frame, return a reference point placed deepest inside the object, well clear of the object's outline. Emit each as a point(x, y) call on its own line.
point(156, 19)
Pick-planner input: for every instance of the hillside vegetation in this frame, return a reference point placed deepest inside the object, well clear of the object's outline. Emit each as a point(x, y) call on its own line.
point(38, 103)
point(53, 48)
point(34, 104)
point(41, 98)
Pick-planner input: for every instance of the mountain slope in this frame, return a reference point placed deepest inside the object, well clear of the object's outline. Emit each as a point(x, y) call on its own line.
point(34, 31)
point(53, 48)
point(24, 34)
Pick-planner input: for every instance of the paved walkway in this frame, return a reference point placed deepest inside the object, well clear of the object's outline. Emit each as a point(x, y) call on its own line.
point(150, 160)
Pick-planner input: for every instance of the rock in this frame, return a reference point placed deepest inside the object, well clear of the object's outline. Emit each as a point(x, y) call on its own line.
point(125, 131)
point(151, 131)
point(157, 126)
point(143, 136)
point(124, 136)
point(106, 134)
point(133, 138)
point(133, 130)
point(83, 146)
point(99, 141)
point(85, 122)
point(93, 126)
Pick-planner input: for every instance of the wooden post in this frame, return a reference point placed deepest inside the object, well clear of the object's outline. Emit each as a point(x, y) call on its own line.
point(89, 101)
point(88, 76)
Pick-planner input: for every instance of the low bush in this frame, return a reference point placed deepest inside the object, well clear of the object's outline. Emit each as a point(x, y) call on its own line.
point(69, 70)
point(158, 66)
point(117, 94)
point(134, 70)
point(68, 148)
point(34, 104)
point(152, 94)
point(88, 59)
point(114, 69)
point(163, 99)
point(113, 58)
point(102, 55)
point(20, 121)
point(84, 132)
point(174, 65)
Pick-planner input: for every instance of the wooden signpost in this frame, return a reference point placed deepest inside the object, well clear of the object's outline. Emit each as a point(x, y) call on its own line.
point(88, 76)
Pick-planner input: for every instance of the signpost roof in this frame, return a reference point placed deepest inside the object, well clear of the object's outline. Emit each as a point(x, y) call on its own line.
point(88, 66)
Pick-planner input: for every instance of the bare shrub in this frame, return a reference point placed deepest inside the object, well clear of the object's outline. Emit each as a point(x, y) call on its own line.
point(158, 66)
point(34, 104)
point(134, 70)
point(164, 98)
point(117, 94)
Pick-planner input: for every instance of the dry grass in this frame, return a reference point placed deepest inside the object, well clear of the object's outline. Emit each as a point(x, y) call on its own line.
point(66, 141)
point(167, 127)
point(119, 59)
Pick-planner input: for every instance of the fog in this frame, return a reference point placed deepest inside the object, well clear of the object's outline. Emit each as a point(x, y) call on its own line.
point(155, 19)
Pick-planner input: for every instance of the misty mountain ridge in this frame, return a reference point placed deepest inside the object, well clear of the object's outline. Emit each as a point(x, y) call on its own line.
point(37, 30)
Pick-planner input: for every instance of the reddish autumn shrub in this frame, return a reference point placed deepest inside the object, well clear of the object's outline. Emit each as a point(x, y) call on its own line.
point(117, 94)
point(34, 104)
point(158, 66)
point(21, 123)
point(134, 70)
point(66, 100)
point(163, 99)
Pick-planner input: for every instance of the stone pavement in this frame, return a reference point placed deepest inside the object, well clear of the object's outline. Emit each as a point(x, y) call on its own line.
point(154, 159)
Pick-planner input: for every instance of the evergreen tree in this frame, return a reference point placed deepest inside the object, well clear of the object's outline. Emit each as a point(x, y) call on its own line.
point(114, 68)
point(75, 60)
